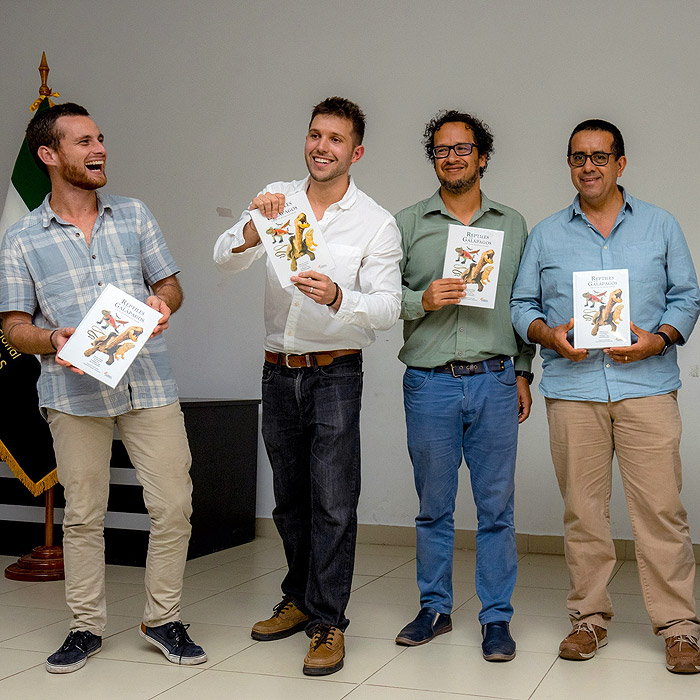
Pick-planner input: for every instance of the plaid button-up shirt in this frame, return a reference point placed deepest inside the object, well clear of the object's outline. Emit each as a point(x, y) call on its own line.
point(48, 271)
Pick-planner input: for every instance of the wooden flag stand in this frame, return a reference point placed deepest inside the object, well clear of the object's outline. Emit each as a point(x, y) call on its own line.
point(43, 563)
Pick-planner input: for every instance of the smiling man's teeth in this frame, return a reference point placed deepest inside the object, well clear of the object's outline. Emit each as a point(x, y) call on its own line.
point(321, 160)
point(95, 164)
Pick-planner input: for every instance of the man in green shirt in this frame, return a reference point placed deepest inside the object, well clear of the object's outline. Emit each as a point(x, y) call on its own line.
point(463, 395)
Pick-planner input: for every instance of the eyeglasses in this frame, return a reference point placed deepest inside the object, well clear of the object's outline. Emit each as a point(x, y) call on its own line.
point(460, 149)
point(578, 160)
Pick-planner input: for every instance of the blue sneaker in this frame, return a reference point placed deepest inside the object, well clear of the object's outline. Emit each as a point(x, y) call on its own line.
point(172, 639)
point(74, 652)
point(427, 625)
point(498, 645)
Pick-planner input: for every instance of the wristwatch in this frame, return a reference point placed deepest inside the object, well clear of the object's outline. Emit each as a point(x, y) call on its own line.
point(667, 342)
point(528, 375)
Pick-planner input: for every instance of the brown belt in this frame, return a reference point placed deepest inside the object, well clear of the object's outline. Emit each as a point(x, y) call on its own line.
point(310, 359)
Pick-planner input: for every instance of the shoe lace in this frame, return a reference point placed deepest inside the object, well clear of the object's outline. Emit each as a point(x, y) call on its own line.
point(177, 633)
point(586, 628)
point(76, 640)
point(282, 606)
point(323, 634)
point(681, 639)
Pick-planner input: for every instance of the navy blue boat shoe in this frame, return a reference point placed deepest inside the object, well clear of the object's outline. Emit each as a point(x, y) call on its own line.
point(497, 644)
point(427, 625)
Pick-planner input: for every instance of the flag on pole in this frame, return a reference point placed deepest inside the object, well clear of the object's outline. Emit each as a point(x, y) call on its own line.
point(25, 440)
point(28, 186)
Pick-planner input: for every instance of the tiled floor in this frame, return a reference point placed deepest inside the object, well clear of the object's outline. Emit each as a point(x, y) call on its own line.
point(226, 592)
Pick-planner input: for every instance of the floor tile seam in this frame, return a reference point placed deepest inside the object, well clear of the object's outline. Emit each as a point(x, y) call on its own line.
point(35, 629)
point(601, 657)
point(455, 608)
point(359, 588)
point(324, 679)
point(446, 693)
point(160, 693)
point(384, 665)
point(24, 670)
point(546, 673)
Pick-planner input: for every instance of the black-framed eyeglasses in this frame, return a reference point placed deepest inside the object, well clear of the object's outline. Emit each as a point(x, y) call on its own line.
point(460, 149)
point(578, 160)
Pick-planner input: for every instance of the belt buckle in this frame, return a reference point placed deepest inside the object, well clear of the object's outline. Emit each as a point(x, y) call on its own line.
point(307, 359)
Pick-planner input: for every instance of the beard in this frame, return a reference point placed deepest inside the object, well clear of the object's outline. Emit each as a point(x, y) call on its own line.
point(459, 186)
point(76, 177)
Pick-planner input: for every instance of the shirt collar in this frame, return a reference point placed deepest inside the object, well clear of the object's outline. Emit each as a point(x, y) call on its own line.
point(48, 214)
point(348, 198)
point(435, 205)
point(575, 208)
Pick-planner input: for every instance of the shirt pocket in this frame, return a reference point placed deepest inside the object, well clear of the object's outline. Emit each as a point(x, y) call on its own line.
point(120, 258)
point(645, 261)
point(347, 260)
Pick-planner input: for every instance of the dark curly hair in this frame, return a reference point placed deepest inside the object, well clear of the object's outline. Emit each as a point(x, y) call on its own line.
point(340, 107)
point(42, 129)
point(482, 134)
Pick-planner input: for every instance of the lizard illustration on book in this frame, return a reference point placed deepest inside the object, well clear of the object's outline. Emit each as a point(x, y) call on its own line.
point(608, 314)
point(301, 242)
point(478, 273)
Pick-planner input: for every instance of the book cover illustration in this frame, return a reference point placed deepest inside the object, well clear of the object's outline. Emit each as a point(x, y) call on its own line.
point(474, 255)
point(293, 240)
point(110, 336)
point(601, 309)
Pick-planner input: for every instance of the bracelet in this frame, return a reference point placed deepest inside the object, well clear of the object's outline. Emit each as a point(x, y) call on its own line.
point(51, 339)
point(337, 292)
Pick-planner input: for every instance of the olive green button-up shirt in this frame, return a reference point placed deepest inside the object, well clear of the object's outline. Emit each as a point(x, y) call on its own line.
point(457, 333)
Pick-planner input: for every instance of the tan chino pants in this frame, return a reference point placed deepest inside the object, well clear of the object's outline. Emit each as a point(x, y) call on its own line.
point(645, 434)
point(156, 441)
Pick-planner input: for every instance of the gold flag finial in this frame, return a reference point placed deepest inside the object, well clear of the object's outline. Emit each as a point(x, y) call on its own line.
point(44, 91)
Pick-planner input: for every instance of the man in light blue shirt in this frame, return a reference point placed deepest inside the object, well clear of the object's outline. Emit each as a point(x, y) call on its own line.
point(620, 400)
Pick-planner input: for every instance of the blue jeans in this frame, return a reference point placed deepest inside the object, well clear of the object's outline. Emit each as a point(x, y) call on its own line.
point(311, 429)
point(476, 416)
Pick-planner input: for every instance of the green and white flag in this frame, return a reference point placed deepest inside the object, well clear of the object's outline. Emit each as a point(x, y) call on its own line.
point(28, 187)
point(25, 441)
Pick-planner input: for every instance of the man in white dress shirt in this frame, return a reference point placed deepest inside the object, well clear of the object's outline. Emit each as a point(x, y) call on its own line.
point(312, 376)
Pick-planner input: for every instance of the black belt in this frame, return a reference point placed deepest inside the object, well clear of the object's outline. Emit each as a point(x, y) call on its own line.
point(461, 369)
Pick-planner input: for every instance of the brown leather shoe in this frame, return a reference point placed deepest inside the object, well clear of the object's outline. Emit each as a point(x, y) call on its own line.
point(286, 620)
point(682, 654)
point(583, 641)
point(326, 652)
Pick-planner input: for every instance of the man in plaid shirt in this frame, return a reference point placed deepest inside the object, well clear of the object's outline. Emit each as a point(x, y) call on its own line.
point(54, 263)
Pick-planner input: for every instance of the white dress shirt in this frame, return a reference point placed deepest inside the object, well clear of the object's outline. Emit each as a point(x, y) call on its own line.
point(366, 247)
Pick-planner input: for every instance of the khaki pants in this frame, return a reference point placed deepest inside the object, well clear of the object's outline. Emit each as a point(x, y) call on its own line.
point(157, 445)
point(645, 434)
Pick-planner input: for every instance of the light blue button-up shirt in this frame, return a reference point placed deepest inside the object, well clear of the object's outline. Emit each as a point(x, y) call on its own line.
point(48, 271)
point(646, 240)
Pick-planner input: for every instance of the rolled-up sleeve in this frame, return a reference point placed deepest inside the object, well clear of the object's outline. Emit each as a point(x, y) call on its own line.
point(526, 298)
point(682, 293)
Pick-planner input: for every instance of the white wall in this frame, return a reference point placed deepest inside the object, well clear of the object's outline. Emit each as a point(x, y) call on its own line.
point(203, 103)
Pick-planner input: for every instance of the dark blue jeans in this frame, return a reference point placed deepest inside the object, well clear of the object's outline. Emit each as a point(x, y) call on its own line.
point(311, 429)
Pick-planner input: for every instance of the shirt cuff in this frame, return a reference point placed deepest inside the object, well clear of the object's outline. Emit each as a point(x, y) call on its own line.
point(680, 322)
point(412, 304)
point(525, 321)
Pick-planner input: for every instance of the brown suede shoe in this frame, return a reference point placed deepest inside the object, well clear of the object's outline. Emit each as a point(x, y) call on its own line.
point(583, 641)
point(326, 652)
point(286, 620)
point(682, 654)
